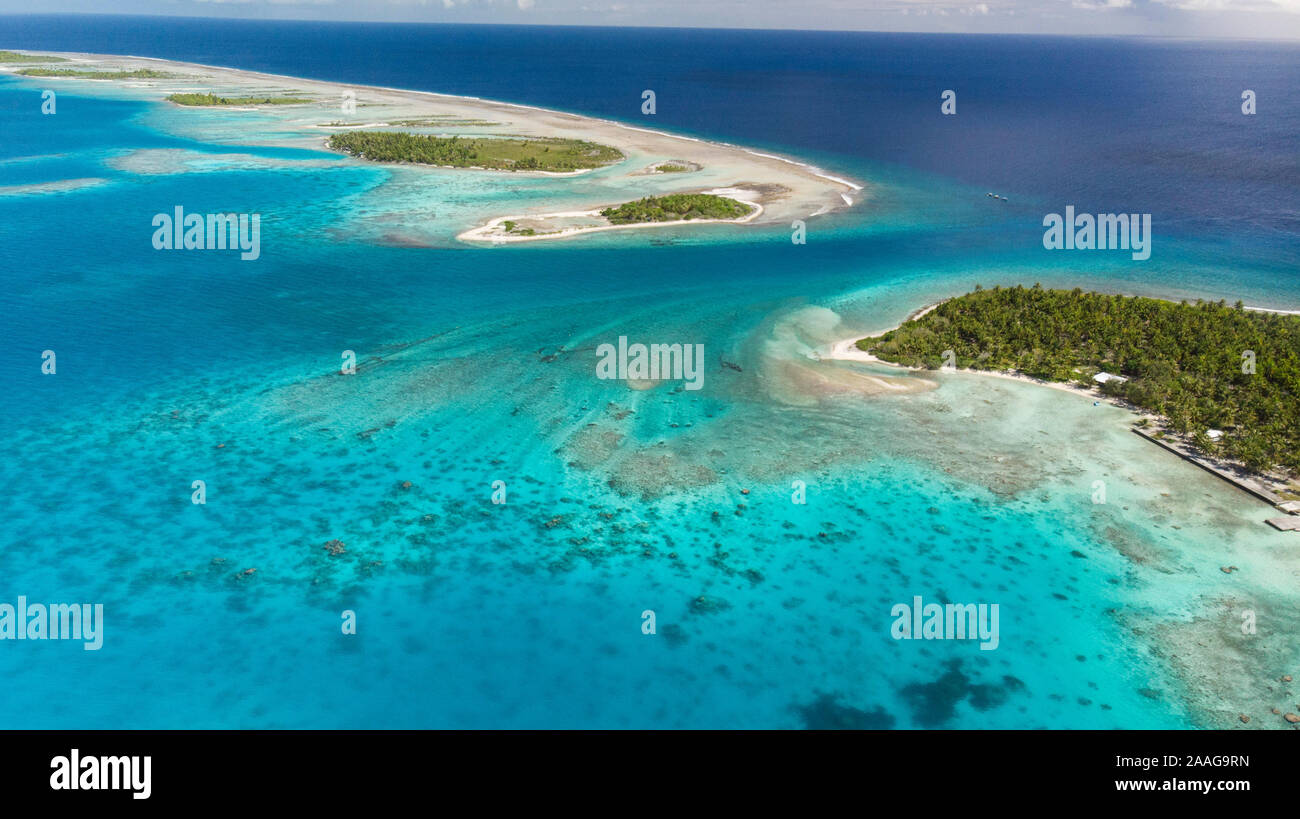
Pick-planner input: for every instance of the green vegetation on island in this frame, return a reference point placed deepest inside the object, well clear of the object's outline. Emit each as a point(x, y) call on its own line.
point(513, 229)
point(1202, 366)
point(440, 120)
point(137, 74)
point(676, 207)
point(212, 99)
point(434, 121)
point(15, 57)
point(506, 153)
point(671, 168)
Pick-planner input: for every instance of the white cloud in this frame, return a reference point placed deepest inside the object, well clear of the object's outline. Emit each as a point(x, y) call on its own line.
point(938, 7)
point(1290, 6)
point(1102, 4)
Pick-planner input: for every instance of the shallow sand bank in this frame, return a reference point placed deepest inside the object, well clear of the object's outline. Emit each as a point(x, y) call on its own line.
point(789, 189)
point(591, 221)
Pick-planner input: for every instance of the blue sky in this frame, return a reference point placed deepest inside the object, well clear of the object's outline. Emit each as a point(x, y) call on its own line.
point(1271, 19)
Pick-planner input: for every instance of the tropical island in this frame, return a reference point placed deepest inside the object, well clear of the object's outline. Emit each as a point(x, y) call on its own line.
point(716, 206)
point(549, 154)
point(440, 121)
point(15, 57)
point(1225, 378)
point(676, 207)
point(416, 129)
point(91, 74)
point(674, 166)
point(209, 100)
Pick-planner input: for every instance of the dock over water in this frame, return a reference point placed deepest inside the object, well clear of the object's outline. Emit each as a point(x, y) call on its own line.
point(1289, 523)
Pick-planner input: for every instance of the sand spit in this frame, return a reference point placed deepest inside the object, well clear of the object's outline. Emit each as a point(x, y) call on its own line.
point(793, 190)
point(565, 224)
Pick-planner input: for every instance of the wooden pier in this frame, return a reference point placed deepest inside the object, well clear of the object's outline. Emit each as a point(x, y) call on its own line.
point(1244, 484)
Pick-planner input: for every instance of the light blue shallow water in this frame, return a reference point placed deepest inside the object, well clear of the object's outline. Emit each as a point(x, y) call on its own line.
point(477, 367)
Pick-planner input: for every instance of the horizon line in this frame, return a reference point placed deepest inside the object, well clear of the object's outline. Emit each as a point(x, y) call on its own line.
point(1060, 34)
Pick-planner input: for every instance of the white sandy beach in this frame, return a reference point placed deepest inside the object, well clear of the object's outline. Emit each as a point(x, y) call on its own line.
point(494, 231)
point(783, 188)
point(846, 349)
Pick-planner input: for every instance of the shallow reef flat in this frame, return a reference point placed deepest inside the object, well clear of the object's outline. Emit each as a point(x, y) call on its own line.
point(786, 188)
point(374, 491)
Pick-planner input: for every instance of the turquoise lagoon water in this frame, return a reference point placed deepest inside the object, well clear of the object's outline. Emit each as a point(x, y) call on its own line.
point(476, 366)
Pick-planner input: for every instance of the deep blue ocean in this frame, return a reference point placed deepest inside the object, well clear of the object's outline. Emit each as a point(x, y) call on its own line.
point(528, 614)
point(1139, 124)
